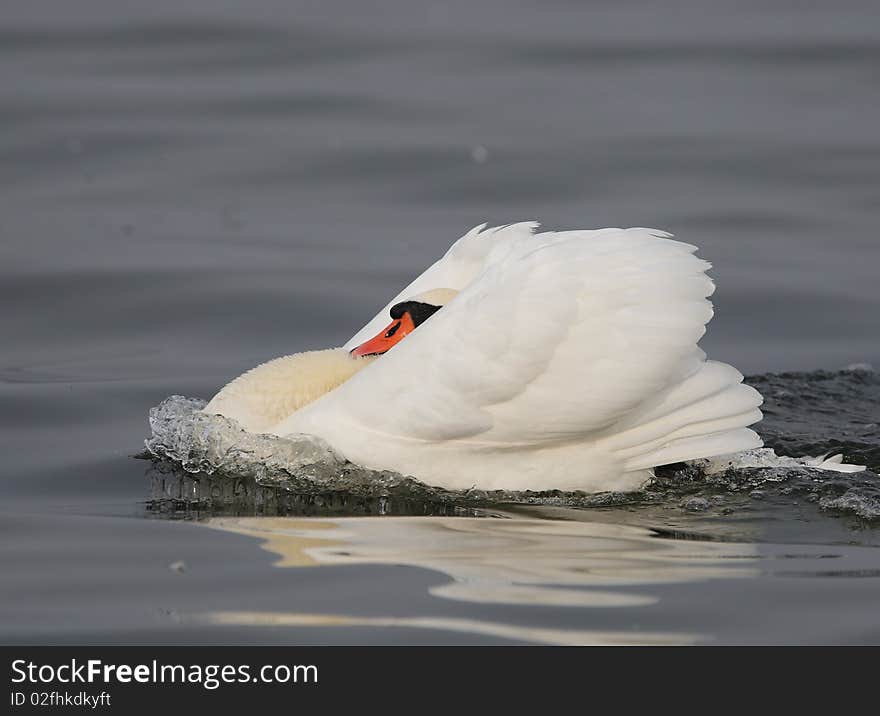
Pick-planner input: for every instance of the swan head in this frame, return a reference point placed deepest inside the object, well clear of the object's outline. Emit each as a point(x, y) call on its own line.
point(406, 316)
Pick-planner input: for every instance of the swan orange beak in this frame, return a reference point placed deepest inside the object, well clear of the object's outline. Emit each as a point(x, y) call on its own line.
point(390, 336)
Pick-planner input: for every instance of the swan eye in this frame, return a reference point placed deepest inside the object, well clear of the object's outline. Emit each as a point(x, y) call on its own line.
point(391, 331)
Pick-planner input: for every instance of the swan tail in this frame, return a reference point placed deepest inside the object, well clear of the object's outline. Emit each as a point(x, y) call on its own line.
point(705, 414)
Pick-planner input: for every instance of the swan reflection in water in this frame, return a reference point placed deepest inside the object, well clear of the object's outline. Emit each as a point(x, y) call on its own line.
point(651, 573)
point(513, 561)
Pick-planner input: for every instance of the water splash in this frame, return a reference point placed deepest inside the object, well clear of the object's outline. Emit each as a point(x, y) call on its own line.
point(209, 463)
point(203, 461)
point(209, 444)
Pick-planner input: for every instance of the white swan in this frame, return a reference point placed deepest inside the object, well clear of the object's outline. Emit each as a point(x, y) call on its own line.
point(557, 360)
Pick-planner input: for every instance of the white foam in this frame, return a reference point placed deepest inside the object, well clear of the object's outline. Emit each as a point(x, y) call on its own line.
point(765, 457)
point(205, 443)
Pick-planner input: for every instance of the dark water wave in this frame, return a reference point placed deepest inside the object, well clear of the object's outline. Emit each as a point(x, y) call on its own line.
point(205, 465)
point(822, 412)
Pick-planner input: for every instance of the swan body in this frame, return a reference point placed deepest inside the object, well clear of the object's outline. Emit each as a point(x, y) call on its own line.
point(521, 360)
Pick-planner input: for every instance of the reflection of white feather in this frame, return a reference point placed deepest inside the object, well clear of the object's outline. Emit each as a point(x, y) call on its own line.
point(567, 360)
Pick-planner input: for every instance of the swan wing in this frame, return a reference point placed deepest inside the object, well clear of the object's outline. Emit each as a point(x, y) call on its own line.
point(458, 267)
point(557, 336)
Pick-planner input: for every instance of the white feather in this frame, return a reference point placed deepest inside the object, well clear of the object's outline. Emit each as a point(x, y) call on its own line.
point(568, 360)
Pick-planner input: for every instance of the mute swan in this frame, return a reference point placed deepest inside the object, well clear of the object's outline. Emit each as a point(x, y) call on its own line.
point(521, 360)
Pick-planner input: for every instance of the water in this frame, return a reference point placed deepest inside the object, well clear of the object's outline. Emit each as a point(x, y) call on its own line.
point(192, 188)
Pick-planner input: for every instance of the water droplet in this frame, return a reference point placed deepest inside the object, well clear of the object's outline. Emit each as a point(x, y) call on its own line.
point(479, 154)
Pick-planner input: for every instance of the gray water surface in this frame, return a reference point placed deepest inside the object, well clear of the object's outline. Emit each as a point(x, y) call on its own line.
point(190, 188)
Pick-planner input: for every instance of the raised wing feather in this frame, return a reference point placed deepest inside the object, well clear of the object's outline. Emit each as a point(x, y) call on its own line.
point(458, 267)
point(559, 336)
